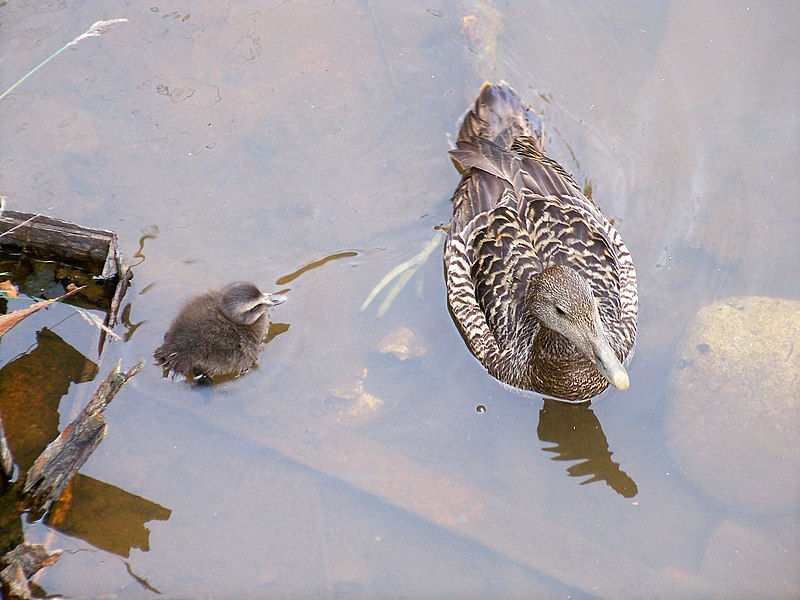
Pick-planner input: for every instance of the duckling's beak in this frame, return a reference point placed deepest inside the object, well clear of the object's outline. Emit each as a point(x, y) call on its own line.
point(274, 299)
point(608, 364)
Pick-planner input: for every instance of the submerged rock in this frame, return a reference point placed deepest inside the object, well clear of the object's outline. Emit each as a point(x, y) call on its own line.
point(355, 405)
point(752, 561)
point(734, 416)
point(403, 344)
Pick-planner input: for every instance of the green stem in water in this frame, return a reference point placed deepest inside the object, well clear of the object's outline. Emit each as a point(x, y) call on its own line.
point(98, 28)
point(36, 68)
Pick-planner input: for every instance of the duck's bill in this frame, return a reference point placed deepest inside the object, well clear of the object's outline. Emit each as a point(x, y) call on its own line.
point(609, 366)
point(274, 299)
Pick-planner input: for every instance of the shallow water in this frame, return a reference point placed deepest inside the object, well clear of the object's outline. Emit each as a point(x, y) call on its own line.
point(304, 146)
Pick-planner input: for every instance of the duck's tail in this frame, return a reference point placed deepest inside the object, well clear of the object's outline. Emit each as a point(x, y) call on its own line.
point(500, 117)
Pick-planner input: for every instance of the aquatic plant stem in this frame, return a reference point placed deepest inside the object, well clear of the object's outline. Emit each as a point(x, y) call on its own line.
point(97, 28)
point(34, 69)
point(402, 273)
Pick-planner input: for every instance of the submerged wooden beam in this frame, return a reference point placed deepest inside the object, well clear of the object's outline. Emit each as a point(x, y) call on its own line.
point(525, 534)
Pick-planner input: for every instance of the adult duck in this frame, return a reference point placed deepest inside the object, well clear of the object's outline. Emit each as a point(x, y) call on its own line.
point(539, 282)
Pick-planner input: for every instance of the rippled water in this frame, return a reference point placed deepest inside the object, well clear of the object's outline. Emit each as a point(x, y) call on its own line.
point(303, 145)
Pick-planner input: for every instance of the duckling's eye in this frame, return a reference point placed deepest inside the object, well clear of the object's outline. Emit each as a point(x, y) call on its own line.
point(560, 311)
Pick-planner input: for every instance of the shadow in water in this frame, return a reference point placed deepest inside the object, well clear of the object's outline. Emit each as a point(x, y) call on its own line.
point(578, 436)
point(103, 515)
point(314, 265)
point(32, 386)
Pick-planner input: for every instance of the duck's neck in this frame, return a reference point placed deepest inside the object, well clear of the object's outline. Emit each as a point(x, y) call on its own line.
point(543, 360)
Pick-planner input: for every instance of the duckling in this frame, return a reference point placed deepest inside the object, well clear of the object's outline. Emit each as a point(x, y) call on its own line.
point(217, 333)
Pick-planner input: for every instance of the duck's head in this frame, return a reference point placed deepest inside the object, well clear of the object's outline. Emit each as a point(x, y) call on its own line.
point(243, 303)
point(561, 300)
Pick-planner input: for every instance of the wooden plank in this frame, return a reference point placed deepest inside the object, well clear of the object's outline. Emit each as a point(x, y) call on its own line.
point(50, 238)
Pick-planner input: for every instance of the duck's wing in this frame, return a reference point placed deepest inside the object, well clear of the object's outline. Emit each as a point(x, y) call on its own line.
point(523, 166)
point(481, 189)
point(480, 265)
point(463, 302)
point(541, 174)
point(489, 259)
point(518, 211)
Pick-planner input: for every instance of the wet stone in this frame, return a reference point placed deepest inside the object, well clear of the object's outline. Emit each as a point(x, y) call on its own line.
point(354, 405)
point(744, 561)
point(734, 414)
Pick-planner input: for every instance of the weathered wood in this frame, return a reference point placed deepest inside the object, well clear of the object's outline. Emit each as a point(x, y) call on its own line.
point(50, 238)
point(6, 461)
point(95, 252)
point(65, 455)
point(19, 565)
point(111, 317)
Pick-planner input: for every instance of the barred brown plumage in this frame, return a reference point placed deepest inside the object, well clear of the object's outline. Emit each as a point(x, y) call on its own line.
point(540, 284)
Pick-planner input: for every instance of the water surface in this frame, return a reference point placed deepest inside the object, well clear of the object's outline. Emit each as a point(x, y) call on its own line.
point(303, 146)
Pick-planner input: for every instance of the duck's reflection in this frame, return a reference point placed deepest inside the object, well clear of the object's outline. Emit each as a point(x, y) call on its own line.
point(578, 436)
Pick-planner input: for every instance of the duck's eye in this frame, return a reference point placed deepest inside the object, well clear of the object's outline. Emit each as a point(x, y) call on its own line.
point(560, 311)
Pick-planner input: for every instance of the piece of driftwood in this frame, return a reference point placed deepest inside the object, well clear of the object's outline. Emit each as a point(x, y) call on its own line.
point(19, 565)
point(59, 462)
point(55, 468)
point(6, 461)
point(93, 253)
point(48, 238)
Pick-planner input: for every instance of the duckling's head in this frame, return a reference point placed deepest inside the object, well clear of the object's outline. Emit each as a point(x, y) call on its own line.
point(244, 304)
point(561, 300)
